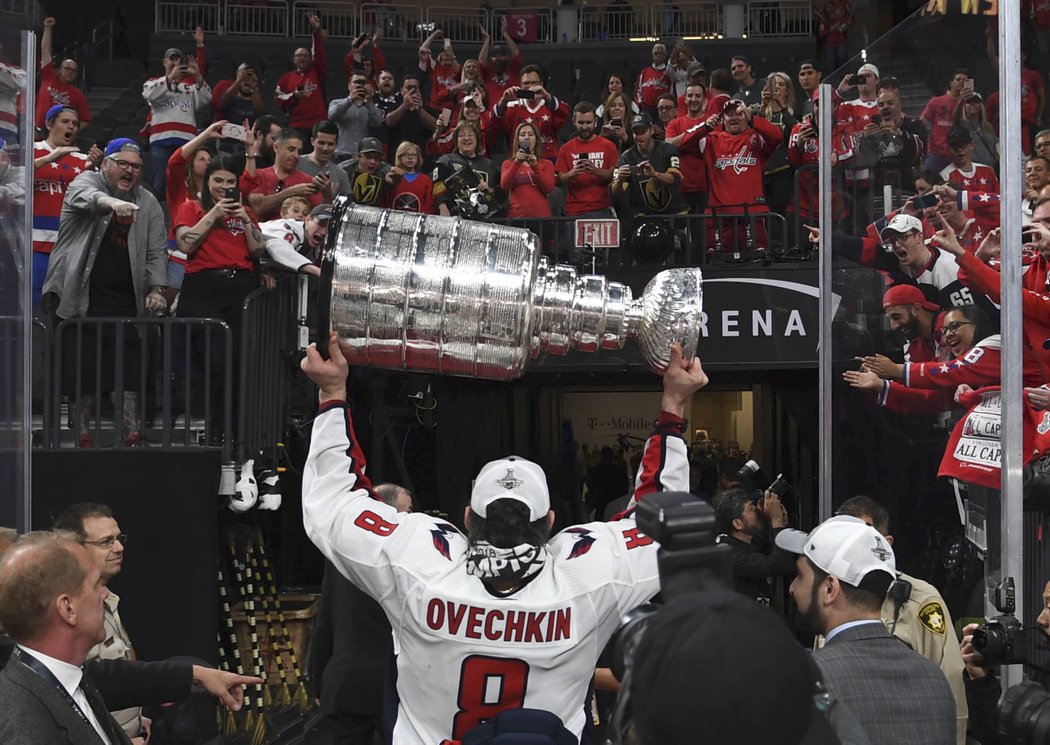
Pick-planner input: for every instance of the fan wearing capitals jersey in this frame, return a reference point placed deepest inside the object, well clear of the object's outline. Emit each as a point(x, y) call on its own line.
point(56, 162)
point(962, 172)
point(736, 157)
point(503, 617)
point(531, 102)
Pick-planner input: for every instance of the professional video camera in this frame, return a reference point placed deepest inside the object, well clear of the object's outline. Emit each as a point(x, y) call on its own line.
point(689, 560)
point(1002, 639)
point(751, 477)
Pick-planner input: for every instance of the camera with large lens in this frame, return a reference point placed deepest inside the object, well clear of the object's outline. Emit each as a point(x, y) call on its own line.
point(1024, 715)
point(752, 478)
point(1002, 639)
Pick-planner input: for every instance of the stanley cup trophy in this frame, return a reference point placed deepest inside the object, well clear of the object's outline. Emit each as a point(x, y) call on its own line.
point(432, 294)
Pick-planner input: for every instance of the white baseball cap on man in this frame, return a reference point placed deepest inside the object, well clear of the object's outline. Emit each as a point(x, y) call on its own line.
point(511, 478)
point(902, 225)
point(844, 547)
point(869, 69)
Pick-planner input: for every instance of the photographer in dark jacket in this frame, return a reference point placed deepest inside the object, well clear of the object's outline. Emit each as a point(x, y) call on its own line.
point(743, 521)
point(983, 690)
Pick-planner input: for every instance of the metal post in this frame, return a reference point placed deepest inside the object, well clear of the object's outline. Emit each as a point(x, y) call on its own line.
point(23, 510)
point(1012, 405)
point(826, 410)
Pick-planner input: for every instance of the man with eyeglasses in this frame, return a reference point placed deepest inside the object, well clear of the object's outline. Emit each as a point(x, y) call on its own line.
point(57, 86)
point(98, 531)
point(110, 259)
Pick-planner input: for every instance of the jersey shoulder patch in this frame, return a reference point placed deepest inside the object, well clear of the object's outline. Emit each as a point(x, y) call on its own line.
point(932, 617)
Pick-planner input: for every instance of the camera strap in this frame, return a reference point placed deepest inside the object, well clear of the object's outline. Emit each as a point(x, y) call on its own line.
point(42, 670)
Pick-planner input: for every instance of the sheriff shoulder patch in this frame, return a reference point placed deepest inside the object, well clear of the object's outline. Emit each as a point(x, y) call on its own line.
point(931, 616)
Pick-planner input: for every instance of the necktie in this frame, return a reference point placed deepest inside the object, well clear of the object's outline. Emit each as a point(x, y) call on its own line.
point(97, 708)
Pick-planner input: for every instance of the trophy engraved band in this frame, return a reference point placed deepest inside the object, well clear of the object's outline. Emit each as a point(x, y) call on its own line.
point(444, 295)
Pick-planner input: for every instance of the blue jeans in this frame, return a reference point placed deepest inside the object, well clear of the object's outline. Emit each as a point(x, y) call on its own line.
point(159, 155)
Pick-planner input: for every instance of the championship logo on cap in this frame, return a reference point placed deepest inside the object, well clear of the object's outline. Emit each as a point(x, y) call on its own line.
point(509, 481)
point(880, 551)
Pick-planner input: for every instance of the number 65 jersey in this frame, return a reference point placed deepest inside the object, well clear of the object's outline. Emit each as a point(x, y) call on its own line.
point(465, 652)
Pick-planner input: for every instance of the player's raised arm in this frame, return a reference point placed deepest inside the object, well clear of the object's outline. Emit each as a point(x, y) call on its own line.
point(665, 463)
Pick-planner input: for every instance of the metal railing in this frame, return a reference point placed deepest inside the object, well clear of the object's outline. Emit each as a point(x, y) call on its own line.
point(459, 24)
point(257, 20)
point(182, 17)
point(103, 33)
point(779, 19)
point(339, 20)
point(695, 240)
point(691, 21)
point(518, 20)
point(269, 360)
point(158, 373)
point(401, 22)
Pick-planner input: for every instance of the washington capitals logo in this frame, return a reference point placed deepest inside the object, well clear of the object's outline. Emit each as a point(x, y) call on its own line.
point(439, 533)
point(880, 551)
point(583, 544)
point(739, 162)
point(509, 482)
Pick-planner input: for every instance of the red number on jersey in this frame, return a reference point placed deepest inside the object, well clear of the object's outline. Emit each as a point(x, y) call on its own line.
point(508, 679)
point(635, 538)
point(373, 523)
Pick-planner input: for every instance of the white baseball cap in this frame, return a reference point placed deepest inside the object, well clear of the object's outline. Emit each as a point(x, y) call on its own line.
point(843, 546)
point(869, 68)
point(511, 478)
point(902, 224)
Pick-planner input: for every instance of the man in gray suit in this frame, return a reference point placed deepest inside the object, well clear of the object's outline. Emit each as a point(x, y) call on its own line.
point(845, 568)
point(51, 597)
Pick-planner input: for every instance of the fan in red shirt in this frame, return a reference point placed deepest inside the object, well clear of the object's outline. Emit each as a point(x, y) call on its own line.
point(653, 81)
point(585, 167)
point(938, 116)
point(413, 191)
point(501, 72)
point(443, 72)
point(267, 188)
point(718, 88)
point(56, 86)
point(962, 172)
point(443, 141)
point(736, 157)
point(371, 66)
point(221, 239)
point(527, 176)
point(301, 92)
point(697, 76)
point(531, 102)
point(691, 159)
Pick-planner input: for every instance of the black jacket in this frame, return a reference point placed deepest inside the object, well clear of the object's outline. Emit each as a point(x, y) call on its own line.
point(752, 568)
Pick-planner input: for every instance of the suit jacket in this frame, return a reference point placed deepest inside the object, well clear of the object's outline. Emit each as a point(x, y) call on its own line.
point(125, 683)
point(899, 696)
point(349, 648)
point(33, 712)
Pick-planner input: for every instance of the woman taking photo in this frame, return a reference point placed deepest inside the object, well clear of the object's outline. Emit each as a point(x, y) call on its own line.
point(777, 105)
point(616, 122)
point(527, 176)
point(220, 241)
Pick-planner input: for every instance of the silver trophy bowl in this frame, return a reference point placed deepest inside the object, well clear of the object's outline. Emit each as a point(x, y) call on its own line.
point(444, 295)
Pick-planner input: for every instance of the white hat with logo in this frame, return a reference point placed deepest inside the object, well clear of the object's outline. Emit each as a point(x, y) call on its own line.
point(844, 547)
point(511, 478)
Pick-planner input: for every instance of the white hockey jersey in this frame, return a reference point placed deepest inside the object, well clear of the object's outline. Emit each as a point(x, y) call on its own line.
point(463, 653)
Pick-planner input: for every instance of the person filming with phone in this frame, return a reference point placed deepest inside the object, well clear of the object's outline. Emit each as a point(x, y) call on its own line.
point(221, 241)
point(532, 102)
point(527, 177)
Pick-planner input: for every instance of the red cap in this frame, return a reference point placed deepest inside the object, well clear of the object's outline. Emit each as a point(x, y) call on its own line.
point(907, 295)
